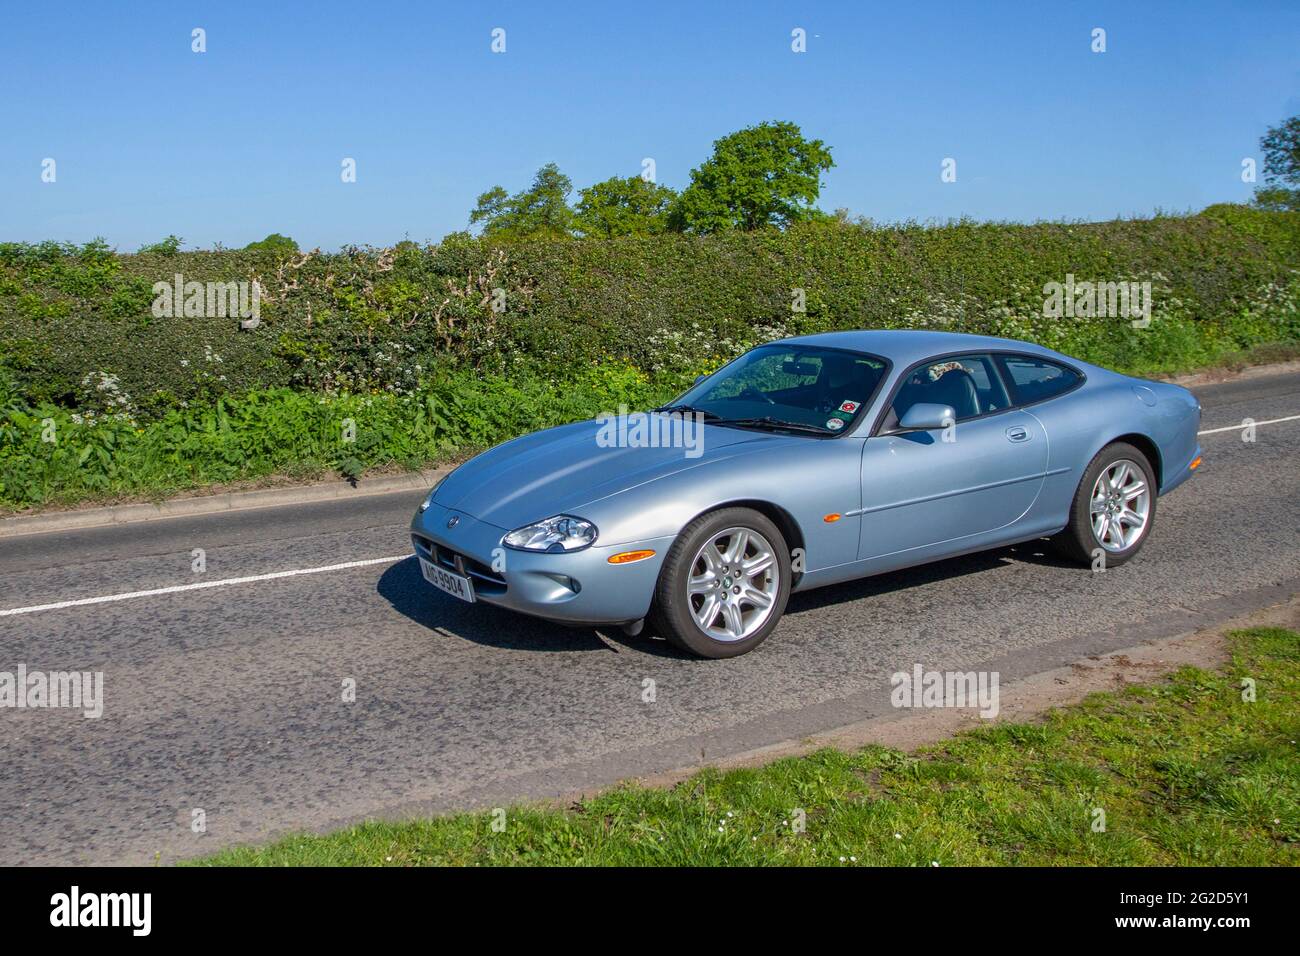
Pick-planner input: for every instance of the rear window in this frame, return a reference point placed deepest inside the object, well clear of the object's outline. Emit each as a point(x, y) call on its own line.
point(1034, 379)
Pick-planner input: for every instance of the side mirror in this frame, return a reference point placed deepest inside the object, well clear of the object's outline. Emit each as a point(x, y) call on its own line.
point(698, 379)
point(924, 417)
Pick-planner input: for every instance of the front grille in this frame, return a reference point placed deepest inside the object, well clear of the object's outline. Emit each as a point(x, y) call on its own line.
point(487, 580)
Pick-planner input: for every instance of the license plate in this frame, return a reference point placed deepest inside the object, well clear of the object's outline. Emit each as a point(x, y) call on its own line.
point(453, 584)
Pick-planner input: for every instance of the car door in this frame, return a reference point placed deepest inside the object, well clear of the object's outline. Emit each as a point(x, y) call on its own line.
point(958, 485)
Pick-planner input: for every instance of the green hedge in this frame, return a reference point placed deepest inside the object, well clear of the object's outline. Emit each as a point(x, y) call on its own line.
point(77, 330)
point(98, 398)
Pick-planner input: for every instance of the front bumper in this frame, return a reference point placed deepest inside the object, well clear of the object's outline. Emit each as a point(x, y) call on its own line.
point(581, 587)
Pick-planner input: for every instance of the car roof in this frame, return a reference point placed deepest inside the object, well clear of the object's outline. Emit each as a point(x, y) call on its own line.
point(906, 346)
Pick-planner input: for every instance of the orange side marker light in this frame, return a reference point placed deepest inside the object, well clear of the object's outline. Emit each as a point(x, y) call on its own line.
point(627, 557)
point(832, 518)
point(1196, 463)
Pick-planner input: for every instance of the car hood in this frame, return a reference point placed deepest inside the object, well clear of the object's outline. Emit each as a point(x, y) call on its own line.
point(559, 470)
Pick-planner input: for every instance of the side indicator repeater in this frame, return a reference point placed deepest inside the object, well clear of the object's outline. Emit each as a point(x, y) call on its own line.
point(832, 517)
point(627, 557)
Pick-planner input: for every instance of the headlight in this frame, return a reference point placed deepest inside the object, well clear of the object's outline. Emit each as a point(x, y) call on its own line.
point(555, 535)
point(428, 499)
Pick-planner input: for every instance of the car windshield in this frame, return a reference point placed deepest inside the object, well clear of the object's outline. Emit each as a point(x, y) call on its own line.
point(799, 387)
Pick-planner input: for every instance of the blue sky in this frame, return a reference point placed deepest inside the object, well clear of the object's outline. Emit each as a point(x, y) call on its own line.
point(247, 138)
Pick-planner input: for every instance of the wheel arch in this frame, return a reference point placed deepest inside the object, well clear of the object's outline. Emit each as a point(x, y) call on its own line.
point(784, 521)
point(1148, 447)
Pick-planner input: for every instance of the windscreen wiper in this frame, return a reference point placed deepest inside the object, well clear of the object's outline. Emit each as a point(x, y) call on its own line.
point(687, 410)
point(767, 421)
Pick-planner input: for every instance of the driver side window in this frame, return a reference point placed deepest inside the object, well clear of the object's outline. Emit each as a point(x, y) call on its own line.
point(969, 384)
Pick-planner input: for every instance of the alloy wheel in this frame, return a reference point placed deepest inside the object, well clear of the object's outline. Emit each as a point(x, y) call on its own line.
point(733, 584)
point(1121, 505)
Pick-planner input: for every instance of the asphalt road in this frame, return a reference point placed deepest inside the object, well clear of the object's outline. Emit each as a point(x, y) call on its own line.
point(229, 699)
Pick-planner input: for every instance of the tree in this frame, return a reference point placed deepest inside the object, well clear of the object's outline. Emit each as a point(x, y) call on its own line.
point(542, 210)
point(624, 207)
point(1278, 198)
point(164, 247)
point(274, 243)
point(491, 208)
point(763, 175)
point(1281, 148)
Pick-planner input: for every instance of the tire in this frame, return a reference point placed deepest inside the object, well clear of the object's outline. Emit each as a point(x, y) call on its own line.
point(1080, 541)
point(740, 622)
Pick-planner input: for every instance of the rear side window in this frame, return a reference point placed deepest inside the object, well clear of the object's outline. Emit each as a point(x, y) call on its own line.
point(1033, 379)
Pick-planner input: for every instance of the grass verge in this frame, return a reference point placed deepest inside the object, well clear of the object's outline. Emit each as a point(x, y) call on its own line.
point(1187, 772)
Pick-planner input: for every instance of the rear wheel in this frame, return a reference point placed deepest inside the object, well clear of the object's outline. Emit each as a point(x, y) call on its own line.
point(1114, 508)
point(724, 584)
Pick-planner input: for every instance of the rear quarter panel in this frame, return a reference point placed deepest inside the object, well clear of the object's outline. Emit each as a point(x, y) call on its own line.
point(1110, 406)
point(1174, 422)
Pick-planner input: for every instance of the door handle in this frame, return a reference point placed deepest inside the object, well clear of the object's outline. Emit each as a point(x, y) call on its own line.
point(1017, 433)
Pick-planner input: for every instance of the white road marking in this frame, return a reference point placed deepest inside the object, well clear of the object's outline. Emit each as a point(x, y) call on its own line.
point(1237, 428)
point(224, 582)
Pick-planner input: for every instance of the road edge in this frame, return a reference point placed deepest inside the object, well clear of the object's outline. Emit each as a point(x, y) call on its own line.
point(84, 518)
point(1025, 700)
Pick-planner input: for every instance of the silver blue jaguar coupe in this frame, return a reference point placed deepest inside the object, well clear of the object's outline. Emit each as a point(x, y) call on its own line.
point(806, 462)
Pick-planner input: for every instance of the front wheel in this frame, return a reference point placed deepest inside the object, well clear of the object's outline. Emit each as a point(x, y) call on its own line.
point(1114, 508)
point(724, 584)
